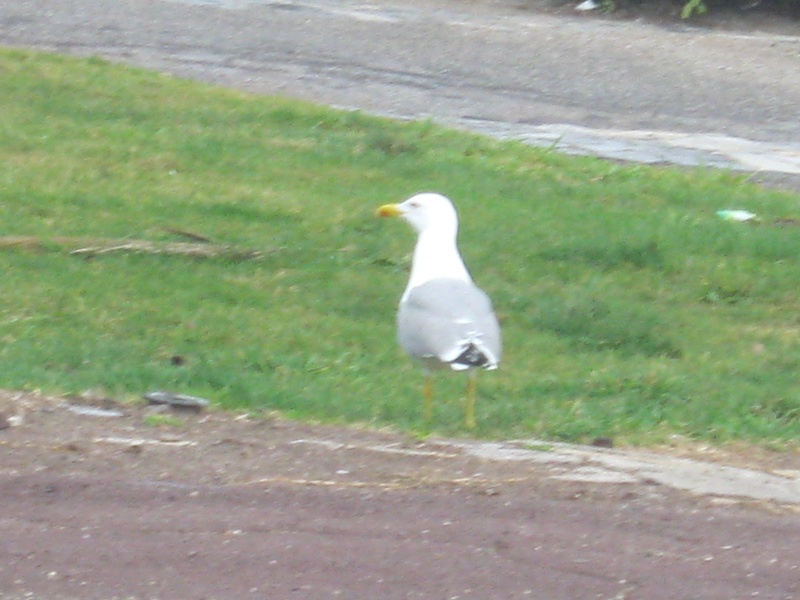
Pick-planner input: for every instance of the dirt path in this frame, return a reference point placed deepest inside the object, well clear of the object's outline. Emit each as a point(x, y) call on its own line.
point(230, 507)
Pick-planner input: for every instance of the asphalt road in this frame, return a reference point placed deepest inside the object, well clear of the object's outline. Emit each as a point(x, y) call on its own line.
point(623, 90)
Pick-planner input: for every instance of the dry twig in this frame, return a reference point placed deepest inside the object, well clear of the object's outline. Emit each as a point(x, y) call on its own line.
point(95, 246)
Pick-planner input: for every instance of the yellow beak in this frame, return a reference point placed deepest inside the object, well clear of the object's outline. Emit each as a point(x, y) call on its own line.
point(389, 210)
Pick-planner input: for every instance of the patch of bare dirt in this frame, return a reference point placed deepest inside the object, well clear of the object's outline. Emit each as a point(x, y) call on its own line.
point(108, 500)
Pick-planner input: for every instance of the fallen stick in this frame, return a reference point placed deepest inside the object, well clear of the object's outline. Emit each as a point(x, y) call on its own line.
point(93, 247)
point(197, 237)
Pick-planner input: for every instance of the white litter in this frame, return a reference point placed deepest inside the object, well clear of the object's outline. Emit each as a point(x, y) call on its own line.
point(587, 5)
point(739, 216)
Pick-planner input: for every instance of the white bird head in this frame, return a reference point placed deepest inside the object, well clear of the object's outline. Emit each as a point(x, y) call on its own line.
point(425, 212)
point(435, 220)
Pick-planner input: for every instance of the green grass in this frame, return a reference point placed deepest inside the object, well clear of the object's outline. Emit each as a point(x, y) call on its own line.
point(629, 309)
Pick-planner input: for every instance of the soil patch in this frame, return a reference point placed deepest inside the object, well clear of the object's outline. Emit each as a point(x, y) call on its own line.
point(104, 500)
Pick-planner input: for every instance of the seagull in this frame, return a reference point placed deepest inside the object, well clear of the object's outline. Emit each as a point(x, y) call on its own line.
point(444, 321)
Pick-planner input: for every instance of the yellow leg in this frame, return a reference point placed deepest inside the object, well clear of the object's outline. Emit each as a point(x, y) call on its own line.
point(427, 393)
point(469, 409)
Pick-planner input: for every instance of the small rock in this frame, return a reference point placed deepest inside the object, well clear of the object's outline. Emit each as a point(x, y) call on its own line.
point(603, 442)
point(179, 401)
point(6, 421)
point(72, 446)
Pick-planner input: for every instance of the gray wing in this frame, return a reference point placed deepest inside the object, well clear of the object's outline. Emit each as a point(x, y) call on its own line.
point(452, 322)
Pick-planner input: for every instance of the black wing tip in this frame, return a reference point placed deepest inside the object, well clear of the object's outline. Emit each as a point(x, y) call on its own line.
point(472, 356)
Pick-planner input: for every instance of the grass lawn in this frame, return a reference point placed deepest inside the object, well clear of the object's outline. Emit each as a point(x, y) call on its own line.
point(629, 308)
